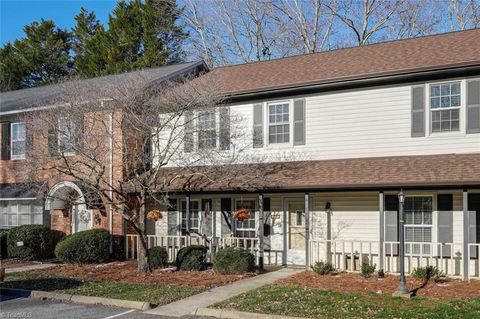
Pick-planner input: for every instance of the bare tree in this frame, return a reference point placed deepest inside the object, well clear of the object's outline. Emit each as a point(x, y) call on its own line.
point(463, 14)
point(415, 18)
point(139, 129)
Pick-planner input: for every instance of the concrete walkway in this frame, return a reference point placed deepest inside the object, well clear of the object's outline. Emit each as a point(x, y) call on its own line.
point(30, 267)
point(189, 305)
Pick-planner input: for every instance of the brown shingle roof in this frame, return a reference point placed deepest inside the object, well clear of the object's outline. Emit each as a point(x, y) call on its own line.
point(378, 172)
point(388, 58)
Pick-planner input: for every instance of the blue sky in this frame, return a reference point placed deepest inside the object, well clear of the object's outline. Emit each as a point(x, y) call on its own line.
point(14, 14)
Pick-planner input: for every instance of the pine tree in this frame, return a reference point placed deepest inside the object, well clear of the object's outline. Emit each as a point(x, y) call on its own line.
point(85, 29)
point(42, 57)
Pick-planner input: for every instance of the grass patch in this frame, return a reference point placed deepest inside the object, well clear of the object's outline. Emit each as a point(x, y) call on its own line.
point(155, 294)
point(318, 303)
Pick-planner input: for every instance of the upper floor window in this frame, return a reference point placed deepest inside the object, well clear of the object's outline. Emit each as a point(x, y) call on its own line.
point(18, 140)
point(278, 123)
point(445, 107)
point(207, 130)
point(65, 135)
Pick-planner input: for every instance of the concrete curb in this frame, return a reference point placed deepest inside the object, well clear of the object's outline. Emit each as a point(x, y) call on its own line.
point(140, 305)
point(233, 314)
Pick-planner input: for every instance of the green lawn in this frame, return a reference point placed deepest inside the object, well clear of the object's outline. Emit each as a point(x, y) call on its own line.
point(317, 303)
point(155, 294)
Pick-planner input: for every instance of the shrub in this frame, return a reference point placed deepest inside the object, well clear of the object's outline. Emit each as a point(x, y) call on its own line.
point(427, 273)
point(157, 257)
point(366, 270)
point(323, 268)
point(233, 261)
point(192, 258)
point(3, 243)
point(88, 246)
point(381, 273)
point(38, 242)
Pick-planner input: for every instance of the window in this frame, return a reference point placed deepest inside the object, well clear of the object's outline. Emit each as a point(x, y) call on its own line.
point(445, 107)
point(65, 138)
point(418, 224)
point(207, 130)
point(278, 123)
point(18, 140)
point(245, 228)
point(194, 223)
point(20, 212)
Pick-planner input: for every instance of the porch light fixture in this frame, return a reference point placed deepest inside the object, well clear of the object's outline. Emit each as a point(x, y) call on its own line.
point(402, 290)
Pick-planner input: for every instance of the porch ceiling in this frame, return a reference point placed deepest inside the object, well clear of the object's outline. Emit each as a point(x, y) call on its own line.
point(446, 170)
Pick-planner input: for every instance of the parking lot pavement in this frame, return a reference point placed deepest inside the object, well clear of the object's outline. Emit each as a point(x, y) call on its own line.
point(15, 307)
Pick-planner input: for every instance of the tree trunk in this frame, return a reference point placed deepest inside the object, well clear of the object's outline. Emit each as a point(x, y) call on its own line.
point(142, 256)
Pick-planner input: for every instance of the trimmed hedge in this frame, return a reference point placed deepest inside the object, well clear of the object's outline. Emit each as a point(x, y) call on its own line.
point(233, 261)
point(38, 242)
point(88, 246)
point(157, 257)
point(192, 258)
point(3, 243)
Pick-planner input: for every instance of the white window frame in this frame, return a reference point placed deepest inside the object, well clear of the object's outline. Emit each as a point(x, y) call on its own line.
point(59, 142)
point(216, 125)
point(12, 140)
point(432, 227)
point(289, 123)
point(15, 206)
point(184, 217)
point(252, 212)
point(460, 108)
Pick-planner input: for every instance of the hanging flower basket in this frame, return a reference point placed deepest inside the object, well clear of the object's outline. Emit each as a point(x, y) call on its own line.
point(154, 215)
point(242, 215)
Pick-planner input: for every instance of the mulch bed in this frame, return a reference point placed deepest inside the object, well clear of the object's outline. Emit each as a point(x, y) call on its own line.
point(127, 272)
point(353, 282)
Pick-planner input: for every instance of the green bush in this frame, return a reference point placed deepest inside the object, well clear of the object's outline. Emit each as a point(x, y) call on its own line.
point(157, 257)
point(38, 242)
point(233, 261)
point(88, 246)
point(3, 243)
point(427, 273)
point(192, 258)
point(323, 268)
point(366, 270)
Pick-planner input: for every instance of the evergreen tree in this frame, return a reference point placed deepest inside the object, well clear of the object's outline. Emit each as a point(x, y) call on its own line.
point(41, 57)
point(85, 29)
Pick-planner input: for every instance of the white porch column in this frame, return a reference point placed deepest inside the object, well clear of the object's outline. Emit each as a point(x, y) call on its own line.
point(307, 230)
point(187, 213)
point(381, 225)
point(260, 231)
point(465, 252)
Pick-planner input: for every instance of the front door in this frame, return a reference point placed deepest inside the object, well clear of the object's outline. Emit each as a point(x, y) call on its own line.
point(82, 218)
point(296, 247)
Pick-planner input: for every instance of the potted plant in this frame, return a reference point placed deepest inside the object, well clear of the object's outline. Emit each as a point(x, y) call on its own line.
point(241, 214)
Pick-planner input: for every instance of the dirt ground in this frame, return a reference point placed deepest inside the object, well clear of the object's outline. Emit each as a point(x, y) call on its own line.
point(127, 272)
point(353, 282)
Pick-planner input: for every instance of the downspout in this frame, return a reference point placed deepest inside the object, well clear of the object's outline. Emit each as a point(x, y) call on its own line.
point(110, 222)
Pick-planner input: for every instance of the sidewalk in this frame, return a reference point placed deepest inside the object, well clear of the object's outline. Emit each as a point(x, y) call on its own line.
point(30, 267)
point(189, 305)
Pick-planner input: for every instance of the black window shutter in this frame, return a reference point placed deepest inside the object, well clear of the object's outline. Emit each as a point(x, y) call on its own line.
point(473, 106)
point(6, 140)
point(299, 122)
point(258, 125)
point(267, 229)
point(391, 223)
point(266, 204)
point(445, 222)
point(418, 111)
point(188, 142)
point(226, 210)
point(53, 142)
point(474, 222)
point(224, 128)
point(172, 225)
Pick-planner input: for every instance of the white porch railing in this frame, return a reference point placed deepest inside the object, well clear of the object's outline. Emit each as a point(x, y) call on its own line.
point(174, 243)
point(348, 255)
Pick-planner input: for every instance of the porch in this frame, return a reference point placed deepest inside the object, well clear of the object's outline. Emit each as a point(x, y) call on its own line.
point(345, 228)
